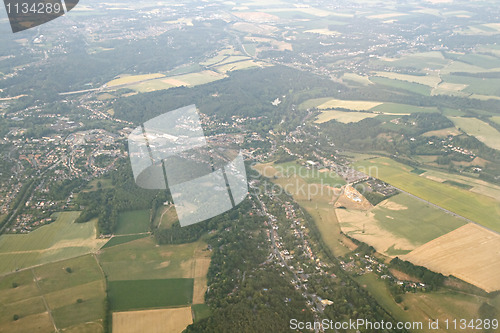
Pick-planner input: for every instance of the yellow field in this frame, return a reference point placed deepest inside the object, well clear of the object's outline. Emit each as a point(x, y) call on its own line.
point(479, 129)
point(350, 105)
point(353, 222)
point(127, 79)
point(469, 253)
point(343, 117)
point(427, 80)
point(152, 321)
point(443, 133)
point(188, 80)
point(200, 279)
point(39, 322)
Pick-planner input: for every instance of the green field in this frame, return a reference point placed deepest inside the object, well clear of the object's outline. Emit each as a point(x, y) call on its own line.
point(313, 103)
point(201, 311)
point(250, 49)
point(432, 60)
point(396, 108)
point(476, 85)
point(133, 222)
point(327, 224)
point(165, 217)
point(484, 132)
point(415, 221)
point(405, 85)
point(236, 66)
point(143, 259)
point(53, 285)
point(427, 80)
point(59, 240)
point(146, 294)
point(496, 119)
point(117, 240)
point(476, 207)
point(352, 77)
point(378, 289)
point(310, 175)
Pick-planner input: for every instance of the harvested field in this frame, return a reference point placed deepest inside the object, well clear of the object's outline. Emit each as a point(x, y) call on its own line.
point(354, 222)
point(152, 321)
point(343, 117)
point(471, 253)
point(128, 79)
point(350, 105)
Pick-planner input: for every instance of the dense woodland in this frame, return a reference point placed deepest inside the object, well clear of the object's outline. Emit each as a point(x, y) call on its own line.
point(106, 203)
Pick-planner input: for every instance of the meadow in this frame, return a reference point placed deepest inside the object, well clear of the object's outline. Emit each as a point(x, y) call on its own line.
point(427, 80)
point(476, 207)
point(326, 221)
point(378, 289)
point(310, 175)
point(397, 225)
point(414, 219)
point(484, 132)
point(165, 217)
point(477, 185)
point(133, 222)
point(117, 240)
point(143, 259)
point(405, 85)
point(351, 77)
point(127, 295)
point(59, 240)
point(200, 311)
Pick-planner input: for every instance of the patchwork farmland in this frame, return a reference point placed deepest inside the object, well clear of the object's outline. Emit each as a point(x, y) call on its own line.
point(59, 240)
point(476, 207)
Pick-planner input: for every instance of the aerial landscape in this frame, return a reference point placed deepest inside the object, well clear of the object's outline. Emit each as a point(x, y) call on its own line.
point(370, 135)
